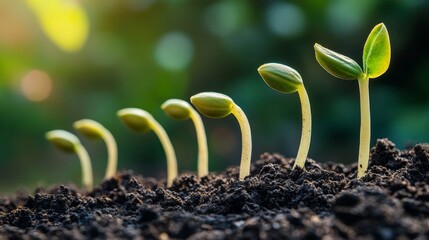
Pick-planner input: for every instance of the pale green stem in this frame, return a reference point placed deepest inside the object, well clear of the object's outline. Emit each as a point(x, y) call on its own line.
point(203, 158)
point(112, 151)
point(365, 126)
point(169, 151)
point(304, 145)
point(86, 167)
point(246, 139)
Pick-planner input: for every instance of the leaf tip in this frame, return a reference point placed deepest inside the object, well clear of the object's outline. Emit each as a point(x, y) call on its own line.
point(376, 52)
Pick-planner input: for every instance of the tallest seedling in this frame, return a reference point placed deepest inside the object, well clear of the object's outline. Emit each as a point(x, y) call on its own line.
point(376, 60)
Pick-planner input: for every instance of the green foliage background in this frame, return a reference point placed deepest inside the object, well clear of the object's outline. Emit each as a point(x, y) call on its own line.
point(141, 52)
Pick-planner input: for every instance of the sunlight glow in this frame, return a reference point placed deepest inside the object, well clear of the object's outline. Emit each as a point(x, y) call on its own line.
point(64, 22)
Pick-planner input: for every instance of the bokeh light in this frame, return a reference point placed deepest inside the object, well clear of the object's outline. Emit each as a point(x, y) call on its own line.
point(345, 17)
point(36, 85)
point(225, 17)
point(285, 19)
point(174, 51)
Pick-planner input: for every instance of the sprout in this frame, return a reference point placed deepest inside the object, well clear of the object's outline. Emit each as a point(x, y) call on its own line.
point(376, 60)
point(142, 121)
point(286, 80)
point(95, 130)
point(68, 142)
point(217, 105)
point(181, 110)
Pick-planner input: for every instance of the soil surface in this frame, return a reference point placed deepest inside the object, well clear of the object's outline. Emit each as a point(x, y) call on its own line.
point(274, 202)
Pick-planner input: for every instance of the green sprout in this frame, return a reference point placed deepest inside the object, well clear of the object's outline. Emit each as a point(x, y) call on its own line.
point(142, 121)
point(376, 60)
point(181, 110)
point(286, 80)
point(68, 142)
point(217, 105)
point(94, 130)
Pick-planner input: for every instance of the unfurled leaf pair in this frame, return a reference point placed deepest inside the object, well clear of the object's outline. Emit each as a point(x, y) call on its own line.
point(376, 57)
point(376, 60)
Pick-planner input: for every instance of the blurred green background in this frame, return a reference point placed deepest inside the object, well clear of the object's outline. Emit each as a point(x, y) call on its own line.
point(139, 53)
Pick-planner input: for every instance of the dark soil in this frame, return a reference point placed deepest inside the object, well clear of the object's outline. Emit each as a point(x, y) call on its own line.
point(325, 201)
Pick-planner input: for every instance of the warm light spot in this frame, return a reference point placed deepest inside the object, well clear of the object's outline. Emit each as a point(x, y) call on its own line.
point(13, 30)
point(36, 85)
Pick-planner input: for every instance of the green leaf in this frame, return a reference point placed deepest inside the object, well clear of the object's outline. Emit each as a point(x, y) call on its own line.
point(337, 64)
point(89, 128)
point(212, 104)
point(280, 77)
point(64, 140)
point(136, 119)
point(177, 109)
point(376, 52)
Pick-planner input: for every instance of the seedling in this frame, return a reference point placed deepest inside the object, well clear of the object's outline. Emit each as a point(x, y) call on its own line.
point(68, 142)
point(94, 130)
point(217, 105)
point(142, 121)
point(181, 110)
point(286, 80)
point(376, 60)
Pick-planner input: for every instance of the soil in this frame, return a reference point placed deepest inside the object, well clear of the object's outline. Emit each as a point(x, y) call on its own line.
point(274, 202)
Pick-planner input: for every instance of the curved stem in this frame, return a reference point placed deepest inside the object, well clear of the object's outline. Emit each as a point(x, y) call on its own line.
point(203, 158)
point(246, 139)
point(112, 151)
point(86, 167)
point(304, 145)
point(169, 151)
point(365, 127)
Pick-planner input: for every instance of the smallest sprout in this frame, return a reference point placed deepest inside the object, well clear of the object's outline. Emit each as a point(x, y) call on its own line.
point(142, 122)
point(287, 80)
point(68, 142)
point(94, 130)
point(218, 105)
point(181, 110)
